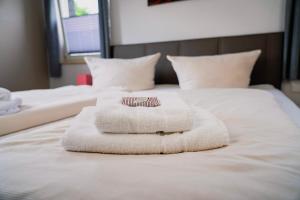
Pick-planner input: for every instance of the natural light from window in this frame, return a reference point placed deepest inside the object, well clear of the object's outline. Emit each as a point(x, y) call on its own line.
point(81, 25)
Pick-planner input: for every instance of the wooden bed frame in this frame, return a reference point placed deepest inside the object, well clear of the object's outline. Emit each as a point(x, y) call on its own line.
point(267, 70)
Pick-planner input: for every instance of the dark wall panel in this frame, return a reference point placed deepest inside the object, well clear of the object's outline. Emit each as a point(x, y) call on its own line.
point(266, 71)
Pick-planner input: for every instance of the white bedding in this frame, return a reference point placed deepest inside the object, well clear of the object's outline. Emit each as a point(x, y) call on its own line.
point(261, 161)
point(285, 103)
point(289, 107)
point(44, 106)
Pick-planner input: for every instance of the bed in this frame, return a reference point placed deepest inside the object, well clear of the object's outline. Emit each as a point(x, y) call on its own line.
point(261, 162)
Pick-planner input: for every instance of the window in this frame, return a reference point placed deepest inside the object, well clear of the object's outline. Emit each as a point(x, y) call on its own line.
point(80, 22)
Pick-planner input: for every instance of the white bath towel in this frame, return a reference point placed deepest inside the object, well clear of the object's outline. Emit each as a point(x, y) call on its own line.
point(173, 115)
point(4, 94)
point(10, 106)
point(208, 132)
point(7, 104)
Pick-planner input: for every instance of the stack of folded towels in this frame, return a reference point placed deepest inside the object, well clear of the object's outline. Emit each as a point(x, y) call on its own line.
point(139, 123)
point(140, 115)
point(8, 105)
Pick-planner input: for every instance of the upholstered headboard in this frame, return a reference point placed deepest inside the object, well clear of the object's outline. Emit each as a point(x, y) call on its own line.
point(266, 71)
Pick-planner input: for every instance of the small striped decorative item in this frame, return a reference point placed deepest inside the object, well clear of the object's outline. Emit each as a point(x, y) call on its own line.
point(141, 101)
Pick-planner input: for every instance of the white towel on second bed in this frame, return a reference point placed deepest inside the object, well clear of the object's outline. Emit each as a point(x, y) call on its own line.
point(173, 115)
point(8, 105)
point(4, 94)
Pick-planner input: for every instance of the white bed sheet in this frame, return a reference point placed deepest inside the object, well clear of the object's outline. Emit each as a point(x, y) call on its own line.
point(34, 165)
point(285, 103)
point(41, 98)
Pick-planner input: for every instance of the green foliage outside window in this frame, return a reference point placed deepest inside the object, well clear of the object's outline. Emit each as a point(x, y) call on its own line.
point(79, 11)
point(76, 10)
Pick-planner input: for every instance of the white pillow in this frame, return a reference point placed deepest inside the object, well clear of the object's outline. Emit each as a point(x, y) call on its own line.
point(127, 74)
point(219, 71)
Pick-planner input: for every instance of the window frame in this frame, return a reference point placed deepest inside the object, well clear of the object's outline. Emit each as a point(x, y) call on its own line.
point(65, 57)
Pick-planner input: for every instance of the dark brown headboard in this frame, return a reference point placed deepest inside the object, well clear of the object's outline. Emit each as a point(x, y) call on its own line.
point(267, 69)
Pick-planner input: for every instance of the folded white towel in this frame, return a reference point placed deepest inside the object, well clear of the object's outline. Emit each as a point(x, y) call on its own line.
point(173, 115)
point(4, 94)
point(208, 132)
point(10, 106)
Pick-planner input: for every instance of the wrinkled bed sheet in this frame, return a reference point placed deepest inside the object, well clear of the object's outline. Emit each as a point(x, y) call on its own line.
point(261, 162)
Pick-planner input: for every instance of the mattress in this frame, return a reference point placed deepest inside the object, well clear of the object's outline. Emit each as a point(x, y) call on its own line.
point(256, 165)
point(48, 105)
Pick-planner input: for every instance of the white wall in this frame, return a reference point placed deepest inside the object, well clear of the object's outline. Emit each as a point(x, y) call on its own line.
point(23, 63)
point(133, 21)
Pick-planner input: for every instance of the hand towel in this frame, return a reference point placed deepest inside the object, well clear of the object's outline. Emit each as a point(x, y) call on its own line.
point(173, 115)
point(4, 94)
point(10, 106)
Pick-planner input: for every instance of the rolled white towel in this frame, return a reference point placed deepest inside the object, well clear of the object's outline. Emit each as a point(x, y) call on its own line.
point(173, 115)
point(4, 94)
point(10, 106)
